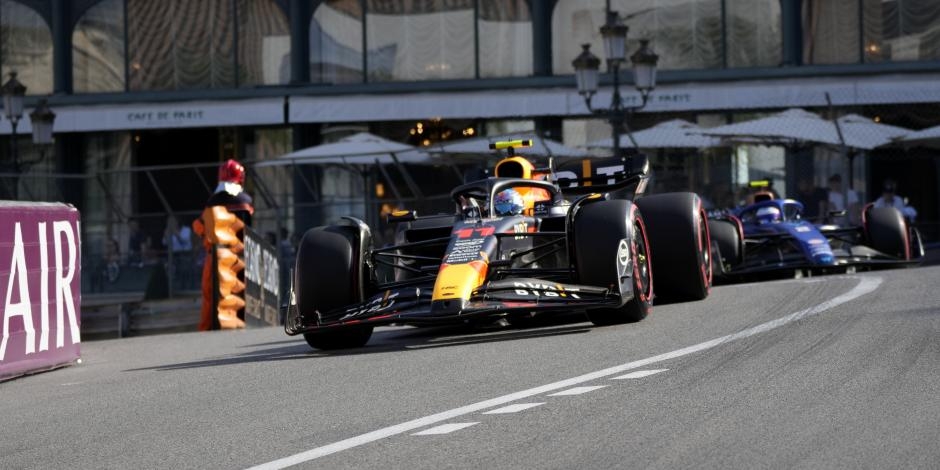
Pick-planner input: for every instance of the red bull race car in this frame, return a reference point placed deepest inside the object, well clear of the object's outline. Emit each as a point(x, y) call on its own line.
point(520, 244)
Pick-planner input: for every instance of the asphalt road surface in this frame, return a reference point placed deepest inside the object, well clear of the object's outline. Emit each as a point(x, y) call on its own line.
point(827, 372)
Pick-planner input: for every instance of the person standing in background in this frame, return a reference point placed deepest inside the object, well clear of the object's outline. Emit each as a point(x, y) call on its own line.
point(178, 241)
point(890, 198)
point(842, 199)
point(814, 199)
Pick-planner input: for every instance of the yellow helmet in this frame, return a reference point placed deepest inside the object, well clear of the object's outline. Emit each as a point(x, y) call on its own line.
point(514, 167)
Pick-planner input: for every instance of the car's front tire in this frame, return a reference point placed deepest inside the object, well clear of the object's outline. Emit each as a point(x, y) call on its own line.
point(327, 276)
point(886, 231)
point(599, 229)
point(725, 234)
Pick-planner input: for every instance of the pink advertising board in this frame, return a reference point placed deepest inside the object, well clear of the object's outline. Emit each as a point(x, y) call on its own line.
point(40, 287)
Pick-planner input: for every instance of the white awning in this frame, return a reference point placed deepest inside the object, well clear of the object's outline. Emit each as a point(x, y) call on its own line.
point(492, 104)
point(114, 117)
point(690, 97)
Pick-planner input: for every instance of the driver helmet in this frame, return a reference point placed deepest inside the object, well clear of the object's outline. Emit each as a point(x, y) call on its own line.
point(515, 167)
point(768, 215)
point(508, 202)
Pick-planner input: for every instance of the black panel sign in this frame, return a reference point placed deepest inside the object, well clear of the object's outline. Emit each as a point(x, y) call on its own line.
point(262, 278)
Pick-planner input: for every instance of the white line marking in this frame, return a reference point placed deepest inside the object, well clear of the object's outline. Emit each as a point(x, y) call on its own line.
point(577, 390)
point(513, 408)
point(866, 285)
point(444, 429)
point(639, 374)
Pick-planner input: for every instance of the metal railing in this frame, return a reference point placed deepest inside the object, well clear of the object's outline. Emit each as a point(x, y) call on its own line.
point(126, 213)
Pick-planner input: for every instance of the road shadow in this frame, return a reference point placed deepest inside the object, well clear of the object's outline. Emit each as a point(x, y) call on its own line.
point(395, 340)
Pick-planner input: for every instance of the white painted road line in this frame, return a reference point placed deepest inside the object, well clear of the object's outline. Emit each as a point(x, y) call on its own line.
point(865, 285)
point(513, 408)
point(577, 390)
point(639, 374)
point(444, 429)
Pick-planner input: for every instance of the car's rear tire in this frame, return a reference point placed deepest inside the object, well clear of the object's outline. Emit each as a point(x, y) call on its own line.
point(886, 231)
point(598, 230)
point(327, 276)
point(679, 245)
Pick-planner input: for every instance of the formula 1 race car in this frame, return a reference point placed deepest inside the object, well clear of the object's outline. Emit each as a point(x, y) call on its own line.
point(769, 238)
point(518, 245)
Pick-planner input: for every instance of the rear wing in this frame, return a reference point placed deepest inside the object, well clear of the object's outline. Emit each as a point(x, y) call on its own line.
point(626, 175)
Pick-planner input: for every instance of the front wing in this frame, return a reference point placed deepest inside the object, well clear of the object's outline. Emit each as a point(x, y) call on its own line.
point(412, 305)
point(779, 253)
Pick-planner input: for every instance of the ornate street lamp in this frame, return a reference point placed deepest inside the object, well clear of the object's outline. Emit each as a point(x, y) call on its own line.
point(13, 92)
point(42, 119)
point(586, 66)
point(644, 69)
point(614, 33)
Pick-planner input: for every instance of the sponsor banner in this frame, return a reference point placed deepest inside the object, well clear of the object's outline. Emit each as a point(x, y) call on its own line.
point(262, 281)
point(40, 287)
point(250, 112)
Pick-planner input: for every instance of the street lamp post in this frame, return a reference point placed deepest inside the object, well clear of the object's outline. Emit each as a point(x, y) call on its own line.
point(42, 119)
point(586, 66)
point(13, 92)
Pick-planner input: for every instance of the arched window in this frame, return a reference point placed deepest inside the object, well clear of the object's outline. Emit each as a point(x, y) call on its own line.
point(426, 40)
point(687, 34)
point(850, 31)
point(336, 42)
point(901, 30)
point(419, 40)
point(98, 49)
point(505, 37)
point(180, 44)
point(263, 43)
point(26, 47)
point(831, 32)
point(754, 33)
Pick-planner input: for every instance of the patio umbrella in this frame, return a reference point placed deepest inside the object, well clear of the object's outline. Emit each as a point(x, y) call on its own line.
point(362, 148)
point(676, 133)
point(359, 152)
point(929, 137)
point(481, 146)
point(796, 127)
point(863, 133)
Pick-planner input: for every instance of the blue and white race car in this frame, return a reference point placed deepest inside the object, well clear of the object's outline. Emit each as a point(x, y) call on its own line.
point(770, 237)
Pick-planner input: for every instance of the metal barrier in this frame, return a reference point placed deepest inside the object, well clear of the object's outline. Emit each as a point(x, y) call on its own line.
point(136, 222)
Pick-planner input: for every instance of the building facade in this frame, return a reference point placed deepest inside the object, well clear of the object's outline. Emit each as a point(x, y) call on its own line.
point(150, 95)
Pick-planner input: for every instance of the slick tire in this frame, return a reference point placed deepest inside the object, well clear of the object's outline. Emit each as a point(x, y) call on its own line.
point(326, 277)
point(886, 231)
point(730, 246)
point(680, 245)
point(598, 230)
